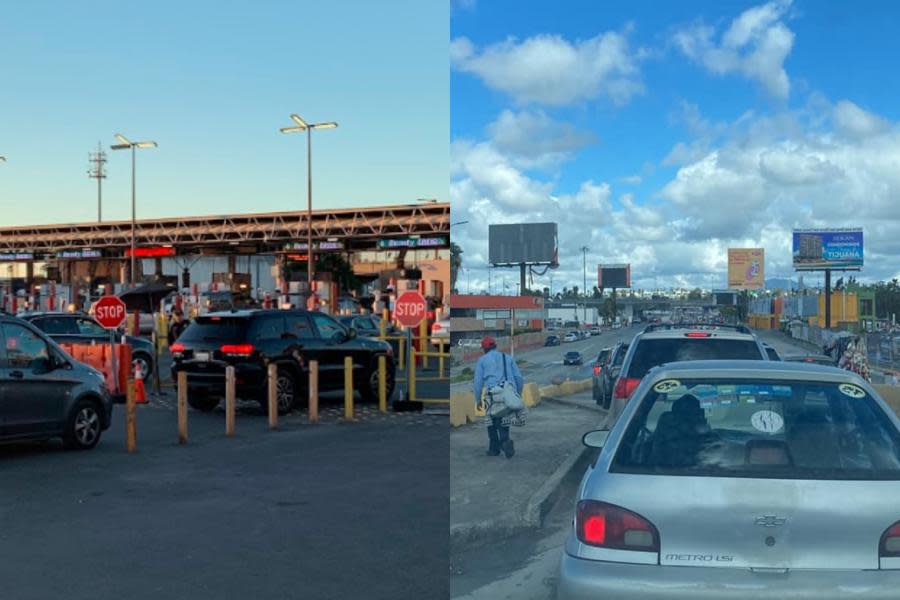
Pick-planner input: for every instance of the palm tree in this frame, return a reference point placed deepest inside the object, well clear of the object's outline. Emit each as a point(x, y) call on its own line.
point(455, 264)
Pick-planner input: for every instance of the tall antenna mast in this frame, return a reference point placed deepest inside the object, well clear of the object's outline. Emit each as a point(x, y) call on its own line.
point(96, 170)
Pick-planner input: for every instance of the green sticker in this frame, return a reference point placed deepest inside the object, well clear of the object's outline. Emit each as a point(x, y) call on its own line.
point(854, 391)
point(666, 386)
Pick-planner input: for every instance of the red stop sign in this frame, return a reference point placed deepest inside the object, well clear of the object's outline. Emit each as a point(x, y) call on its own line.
point(410, 308)
point(109, 312)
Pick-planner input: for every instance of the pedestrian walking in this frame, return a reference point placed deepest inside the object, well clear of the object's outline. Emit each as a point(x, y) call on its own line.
point(491, 370)
point(176, 326)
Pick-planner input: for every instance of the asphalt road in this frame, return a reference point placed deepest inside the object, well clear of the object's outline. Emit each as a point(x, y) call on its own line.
point(336, 510)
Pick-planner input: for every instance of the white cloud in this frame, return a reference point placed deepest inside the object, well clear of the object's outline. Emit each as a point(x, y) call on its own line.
point(853, 121)
point(548, 69)
point(535, 138)
point(755, 45)
point(631, 180)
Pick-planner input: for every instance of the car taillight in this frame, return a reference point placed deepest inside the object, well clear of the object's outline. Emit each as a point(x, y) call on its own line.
point(890, 541)
point(176, 348)
point(609, 526)
point(596, 370)
point(625, 386)
point(237, 349)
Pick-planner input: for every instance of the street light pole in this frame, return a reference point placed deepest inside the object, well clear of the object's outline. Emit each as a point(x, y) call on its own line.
point(302, 125)
point(126, 144)
point(584, 250)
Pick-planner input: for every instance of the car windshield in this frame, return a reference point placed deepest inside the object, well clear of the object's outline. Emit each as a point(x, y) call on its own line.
point(213, 329)
point(654, 352)
point(763, 429)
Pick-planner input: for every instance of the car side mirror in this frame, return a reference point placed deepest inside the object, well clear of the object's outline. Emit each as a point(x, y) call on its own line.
point(351, 334)
point(596, 438)
point(340, 337)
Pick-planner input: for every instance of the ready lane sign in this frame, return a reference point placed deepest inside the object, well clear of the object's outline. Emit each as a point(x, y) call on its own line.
point(410, 309)
point(110, 312)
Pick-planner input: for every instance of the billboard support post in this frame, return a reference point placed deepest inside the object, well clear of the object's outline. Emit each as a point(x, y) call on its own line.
point(522, 287)
point(827, 298)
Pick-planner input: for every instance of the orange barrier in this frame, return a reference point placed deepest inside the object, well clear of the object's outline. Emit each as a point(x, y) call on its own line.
point(140, 393)
point(99, 357)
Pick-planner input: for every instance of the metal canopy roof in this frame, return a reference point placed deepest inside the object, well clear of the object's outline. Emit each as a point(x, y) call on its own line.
point(363, 224)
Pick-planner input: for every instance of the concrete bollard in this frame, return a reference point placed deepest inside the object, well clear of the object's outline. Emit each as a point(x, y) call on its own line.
point(273, 396)
point(229, 400)
point(348, 387)
point(182, 408)
point(313, 391)
point(130, 417)
point(382, 383)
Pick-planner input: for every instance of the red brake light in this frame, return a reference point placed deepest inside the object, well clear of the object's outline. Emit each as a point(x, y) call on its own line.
point(890, 541)
point(176, 348)
point(697, 334)
point(610, 526)
point(596, 370)
point(237, 349)
point(625, 386)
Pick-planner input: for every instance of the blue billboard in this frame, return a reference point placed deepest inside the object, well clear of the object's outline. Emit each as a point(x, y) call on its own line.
point(818, 249)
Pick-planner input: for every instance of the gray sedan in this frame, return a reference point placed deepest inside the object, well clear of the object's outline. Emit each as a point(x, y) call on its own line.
point(741, 480)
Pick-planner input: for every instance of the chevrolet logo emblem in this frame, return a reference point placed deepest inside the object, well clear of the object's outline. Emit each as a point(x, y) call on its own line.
point(770, 521)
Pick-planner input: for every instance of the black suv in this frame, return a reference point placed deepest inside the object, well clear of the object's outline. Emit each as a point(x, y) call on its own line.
point(79, 328)
point(251, 339)
point(610, 372)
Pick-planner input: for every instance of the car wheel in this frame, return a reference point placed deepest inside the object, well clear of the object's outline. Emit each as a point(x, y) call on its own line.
point(368, 388)
point(285, 393)
point(144, 362)
point(202, 401)
point(84, 426)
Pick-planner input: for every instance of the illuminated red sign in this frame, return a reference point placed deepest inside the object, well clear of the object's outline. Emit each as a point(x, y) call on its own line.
point(151, 252)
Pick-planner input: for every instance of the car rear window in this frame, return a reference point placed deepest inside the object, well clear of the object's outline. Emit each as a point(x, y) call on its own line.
point(215, 329)
point(654, 352)
point(767, 429)
point(619, 356)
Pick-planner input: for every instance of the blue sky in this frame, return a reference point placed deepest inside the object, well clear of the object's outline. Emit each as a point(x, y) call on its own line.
point(212, 82)
point(662, 133)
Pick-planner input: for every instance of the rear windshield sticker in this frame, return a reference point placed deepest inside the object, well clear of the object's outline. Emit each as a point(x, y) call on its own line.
point(767, 421)
point(666, 386)
point(854, 391)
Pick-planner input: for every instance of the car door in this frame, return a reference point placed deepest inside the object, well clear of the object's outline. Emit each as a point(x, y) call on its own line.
point(32, 395)
point(332, 336)
point(301, 343)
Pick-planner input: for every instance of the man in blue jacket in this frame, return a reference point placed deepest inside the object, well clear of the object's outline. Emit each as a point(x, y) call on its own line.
point(489, 372)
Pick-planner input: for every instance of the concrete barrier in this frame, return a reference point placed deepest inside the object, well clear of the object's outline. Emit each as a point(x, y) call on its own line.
point(462, 404)
point(531, 395)
point(462, 408)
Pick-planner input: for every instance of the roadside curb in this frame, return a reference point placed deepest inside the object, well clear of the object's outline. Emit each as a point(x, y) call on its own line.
point(543, 500)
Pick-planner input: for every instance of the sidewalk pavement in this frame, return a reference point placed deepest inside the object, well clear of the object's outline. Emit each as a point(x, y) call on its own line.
point(494, 497)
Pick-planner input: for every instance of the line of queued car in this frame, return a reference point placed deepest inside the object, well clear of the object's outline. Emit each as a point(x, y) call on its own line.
point(723, 471)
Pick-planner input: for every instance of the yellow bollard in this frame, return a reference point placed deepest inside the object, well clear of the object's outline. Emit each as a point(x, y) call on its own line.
point(273, 396)
point(313, 391)
point(182, 408)
point(229, 400)
point(401, 359)
point(130, 417)
point(348, 387)
point(441, 363)
point(385, 315)
point(423, 341)
point(411, 382)
point(382, 383)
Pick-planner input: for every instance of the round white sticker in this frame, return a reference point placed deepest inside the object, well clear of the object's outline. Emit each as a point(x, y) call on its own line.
point(666, 386)
point(767, 421)
point(854, 391)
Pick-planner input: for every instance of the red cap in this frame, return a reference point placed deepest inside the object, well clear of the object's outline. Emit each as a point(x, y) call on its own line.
point(488, 342)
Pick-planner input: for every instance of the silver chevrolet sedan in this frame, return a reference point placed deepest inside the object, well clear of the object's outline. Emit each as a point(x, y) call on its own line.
point(741, 479)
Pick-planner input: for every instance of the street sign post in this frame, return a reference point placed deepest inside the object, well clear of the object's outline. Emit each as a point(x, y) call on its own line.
point(410, 308)
point(110, 313)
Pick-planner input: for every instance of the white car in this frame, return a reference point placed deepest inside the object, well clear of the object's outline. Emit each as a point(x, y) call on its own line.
point(440, 332)
point(571, 337)
point(595, 330)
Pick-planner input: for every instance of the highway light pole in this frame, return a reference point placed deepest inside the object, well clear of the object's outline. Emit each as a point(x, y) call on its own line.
point(126, 144)
point(584, 251)
point(302, 125)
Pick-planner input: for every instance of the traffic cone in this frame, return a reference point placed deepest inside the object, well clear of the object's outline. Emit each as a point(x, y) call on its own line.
point(140, 394)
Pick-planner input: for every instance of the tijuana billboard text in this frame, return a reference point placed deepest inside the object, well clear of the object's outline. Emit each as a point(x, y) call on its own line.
point(746, 268)
point(818, 249)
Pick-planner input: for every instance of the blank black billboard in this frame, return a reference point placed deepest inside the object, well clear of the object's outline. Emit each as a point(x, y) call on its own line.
point(533, 243)
point(613, 276)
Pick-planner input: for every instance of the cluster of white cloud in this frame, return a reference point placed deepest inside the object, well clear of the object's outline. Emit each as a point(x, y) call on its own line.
point(743, 183)
point(548, 69)
point(755, 45)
